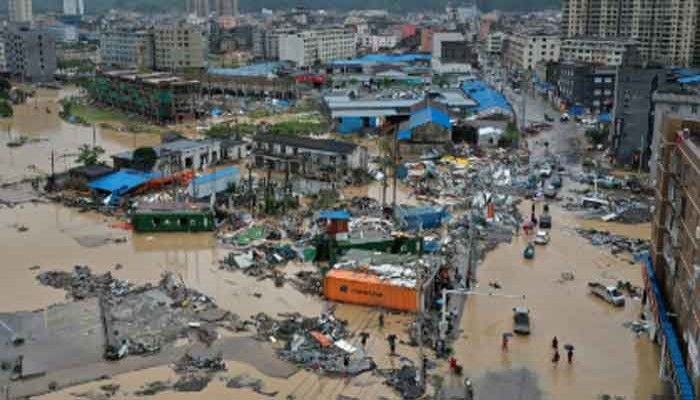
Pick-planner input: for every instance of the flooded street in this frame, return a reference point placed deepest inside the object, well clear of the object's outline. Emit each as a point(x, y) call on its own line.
point(609, 358)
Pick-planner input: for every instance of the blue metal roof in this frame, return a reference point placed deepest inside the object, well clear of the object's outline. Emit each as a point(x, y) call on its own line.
point(685, 388)
point(125, 179)
point(335, 214)
point(422, 117)
point(262, 69)
point(222, 173)
point(486, 96)
point(690, 79)
point(605, 118)
point(384, 58)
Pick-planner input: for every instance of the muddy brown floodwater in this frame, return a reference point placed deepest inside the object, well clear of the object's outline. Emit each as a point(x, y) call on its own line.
point(608, 359)
point(32, 120)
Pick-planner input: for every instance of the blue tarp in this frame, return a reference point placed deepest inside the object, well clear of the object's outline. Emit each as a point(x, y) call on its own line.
point(123, 180)
point(416, 218)
point(216, 182)
point(604, 118)
point(384, 58)
point(486, 97)
point(222, 173)
point(679, 370)
point(577, 111)
point(215, 112)
point(422, 117)
point(335, 215)
point(432, 246)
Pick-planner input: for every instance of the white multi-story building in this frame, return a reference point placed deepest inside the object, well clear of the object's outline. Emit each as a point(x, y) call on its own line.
point(19, 10)
point(73, 7)
point(668, 30)
point(525, 49)
point(494, 43)
point(606, 51)
point(179, 46)
point(308, 47)
point(378, 42)
point(3, 57)
point(452, 53)
point(127, 49)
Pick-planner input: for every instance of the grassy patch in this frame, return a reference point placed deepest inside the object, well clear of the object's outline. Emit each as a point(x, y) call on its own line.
point(92, 114)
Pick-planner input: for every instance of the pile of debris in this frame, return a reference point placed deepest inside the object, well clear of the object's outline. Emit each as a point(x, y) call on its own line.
point(320, 344)
point(365, 206)
point(617, 243)
point(141, 320)
point(82, 283)
point(404, 380)
point(261, 261)
point(244, 381)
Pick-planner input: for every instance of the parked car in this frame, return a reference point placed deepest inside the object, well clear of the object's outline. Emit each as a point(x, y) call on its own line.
point(529, 252)
point(548, 118)
point(545, 221)
point(608, 293)
point(550, 192)
point(542, 238)
point(521, 320)
point(546, 171)
point(564, 117)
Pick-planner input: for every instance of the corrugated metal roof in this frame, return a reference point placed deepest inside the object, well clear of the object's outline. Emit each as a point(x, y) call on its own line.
point(364, 113)
point(422, 117)
point(384, 58)
point(262, 69)
point(125, 179)
point(690, 79)
point(486, 97)
point(223, 173)
point(333, 146)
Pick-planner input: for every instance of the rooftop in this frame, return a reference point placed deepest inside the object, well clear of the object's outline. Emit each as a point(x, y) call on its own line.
point(263, 69)
point(332, 146)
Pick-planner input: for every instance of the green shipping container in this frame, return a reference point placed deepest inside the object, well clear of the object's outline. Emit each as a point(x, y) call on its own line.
point(173, 221)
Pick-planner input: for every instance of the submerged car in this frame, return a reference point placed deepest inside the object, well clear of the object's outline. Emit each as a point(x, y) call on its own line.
point(521, 320)
point(611, 294)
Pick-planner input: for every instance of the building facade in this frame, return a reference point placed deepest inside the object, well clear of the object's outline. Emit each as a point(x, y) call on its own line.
point(604, 51)
point(525, 49)
point(633, 116)
point(675, 252)
point(73, 7)
point(127, 49)
point(325, 160)
point(30, 53)
point(198, 8)
point(312, 46)
point(494, 43)
point(179, 46)
point(19, 10)
point(675, 104)
point(227, 8)
point(588, 85)
point(157, 97)
point(452, 52)
point(667, 29)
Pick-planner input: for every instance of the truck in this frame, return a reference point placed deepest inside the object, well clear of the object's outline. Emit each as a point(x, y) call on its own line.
point(611, 294)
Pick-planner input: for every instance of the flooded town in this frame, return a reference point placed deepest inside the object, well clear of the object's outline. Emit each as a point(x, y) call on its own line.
point(454, 200)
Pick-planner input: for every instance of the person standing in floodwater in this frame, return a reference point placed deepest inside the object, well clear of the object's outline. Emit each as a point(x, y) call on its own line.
point(392, 343)
point(504, 343)
point(555, 343)
point(363, 338)
point(381, 320)
point(556, 357)
point(570, 355)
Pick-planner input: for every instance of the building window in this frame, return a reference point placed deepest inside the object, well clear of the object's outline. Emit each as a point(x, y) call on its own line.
point(694, 109)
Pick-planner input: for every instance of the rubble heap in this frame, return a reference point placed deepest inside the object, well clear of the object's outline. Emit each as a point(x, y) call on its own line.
point(318, 343)
point(82, 283)
point(617, 243)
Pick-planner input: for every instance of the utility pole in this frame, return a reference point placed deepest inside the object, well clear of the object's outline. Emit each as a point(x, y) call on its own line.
point(94, 136)
point(396, 162)
point(419, 323)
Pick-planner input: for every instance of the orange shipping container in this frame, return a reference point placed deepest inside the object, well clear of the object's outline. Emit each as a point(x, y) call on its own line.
point(369, 290)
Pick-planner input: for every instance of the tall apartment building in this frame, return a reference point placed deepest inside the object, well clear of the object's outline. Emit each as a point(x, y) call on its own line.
point(30, 53)
point(452, 53)
point(320, 45)
point(592, 86)
point(124, 49)
point(199, 8)
point(73, 7)
point(667, 29)
point(525, 49)
point(227, 8)
point(19, 10)
point(494, 43)
point(675, 252)
point(671, 104)
point(605, 51)
point(179, 46)
point(270, 44)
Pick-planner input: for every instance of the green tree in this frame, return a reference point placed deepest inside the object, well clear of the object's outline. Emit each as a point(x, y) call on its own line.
point(5, 109)
point(89, 155)
point(511, 136)
point(144, 158)
point(597, 135)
